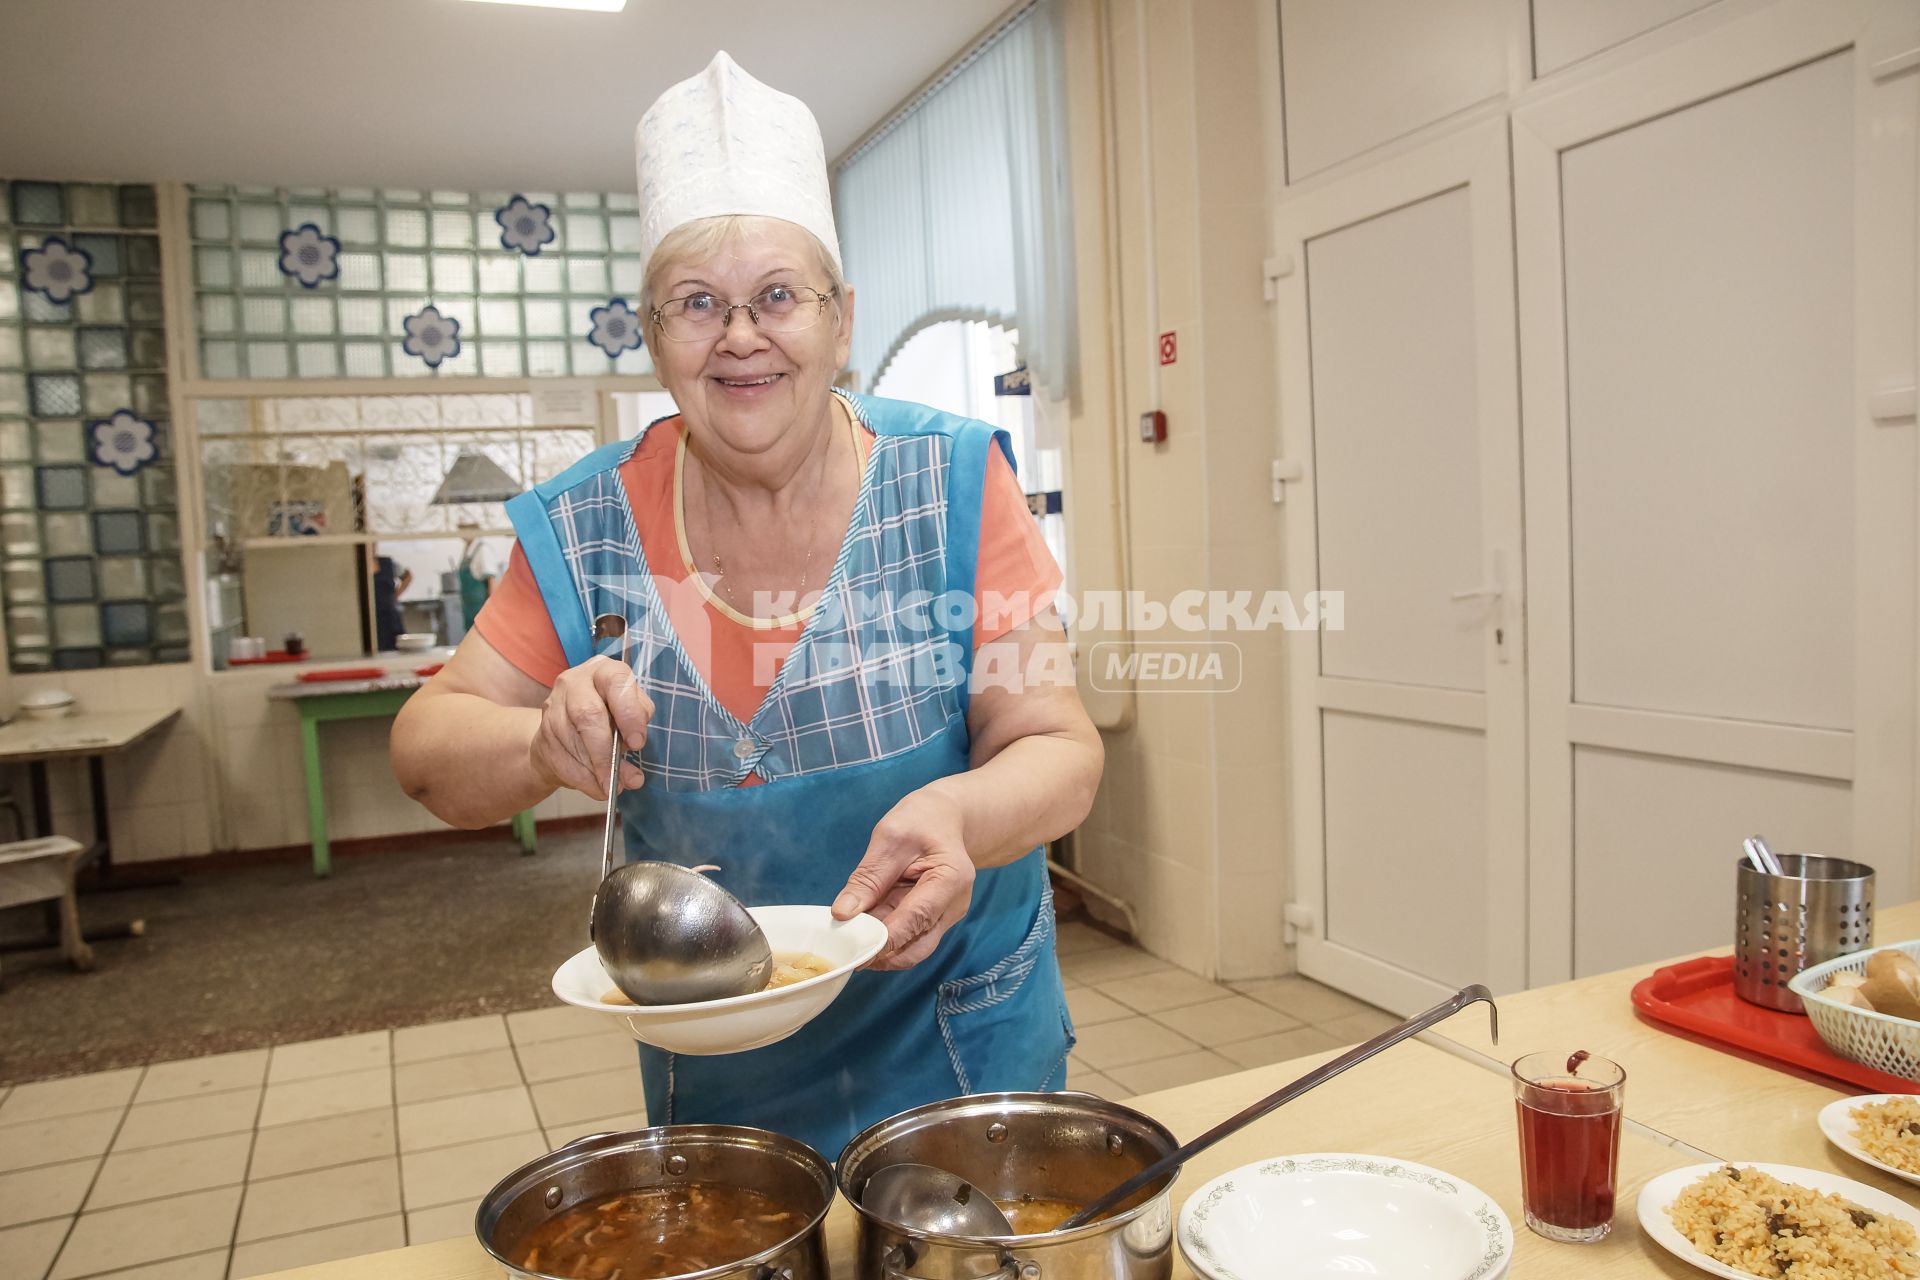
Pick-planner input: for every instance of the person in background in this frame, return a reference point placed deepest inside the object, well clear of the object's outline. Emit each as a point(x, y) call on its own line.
point(476, 573)
point(798, 714)
point(389, 620)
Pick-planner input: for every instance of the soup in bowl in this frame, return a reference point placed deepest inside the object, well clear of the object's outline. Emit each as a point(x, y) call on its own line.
point(814, 955)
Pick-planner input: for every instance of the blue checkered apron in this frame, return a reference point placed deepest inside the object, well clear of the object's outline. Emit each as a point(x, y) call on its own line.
point(869, 705)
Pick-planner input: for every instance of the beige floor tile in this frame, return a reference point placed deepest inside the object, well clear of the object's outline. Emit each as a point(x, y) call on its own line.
point(1076, 937)
point(46, 1099)
point(1088, 1006)
point(1171, 1073)
point(152, 1172)
point(578, 1097)
point(577, 1056)
point(1278, 1048)
point(450, 1077)
point(152, 1231)
point(1219, 1022)
point(159, 1124)
point(319, 1198)
point(327, 1096)
point(559, 1135)
point(1107, 1045)
point(54, 1191)
point(469, 1118)
point(330, 1057)
point(465, 1172)
point(1168, 989)
point(448, 1039)
point(530, 1026)
point(56, 1141)
point(316, 1144)
point(217, 1073)
point(1302, 998)
point(1086, 1080)
point(348, 1240)
point(443, 1221)
point(27, 1252)
point(1109, 964)
point(1355, 1027)
point(199, 1266)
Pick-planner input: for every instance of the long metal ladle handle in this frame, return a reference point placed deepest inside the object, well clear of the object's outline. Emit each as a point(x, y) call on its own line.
point(1313, 1079)
point(611, 626)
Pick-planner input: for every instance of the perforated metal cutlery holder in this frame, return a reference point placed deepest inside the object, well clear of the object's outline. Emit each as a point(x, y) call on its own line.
point(1821, 908)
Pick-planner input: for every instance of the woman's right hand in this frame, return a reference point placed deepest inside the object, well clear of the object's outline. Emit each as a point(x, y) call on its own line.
point(574, 742)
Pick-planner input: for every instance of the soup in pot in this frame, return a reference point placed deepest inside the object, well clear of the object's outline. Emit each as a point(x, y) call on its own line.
point(656, 1232)
point(1033, 1217)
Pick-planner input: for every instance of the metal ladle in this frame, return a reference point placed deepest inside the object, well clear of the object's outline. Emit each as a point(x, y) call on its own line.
point(667, 935)
point(945, 1198)
point(934, 1201)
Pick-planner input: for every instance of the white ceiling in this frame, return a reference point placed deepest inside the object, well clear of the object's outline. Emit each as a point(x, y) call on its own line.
point(423, 93)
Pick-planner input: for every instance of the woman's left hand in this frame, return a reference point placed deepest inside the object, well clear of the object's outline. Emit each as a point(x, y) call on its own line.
point(916, 876)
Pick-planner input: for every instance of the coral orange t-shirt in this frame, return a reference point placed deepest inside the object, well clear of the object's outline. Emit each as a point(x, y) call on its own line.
point(741, 656)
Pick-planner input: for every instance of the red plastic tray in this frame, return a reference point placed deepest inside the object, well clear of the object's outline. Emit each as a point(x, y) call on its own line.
point(1697, 996)
point(343, 673)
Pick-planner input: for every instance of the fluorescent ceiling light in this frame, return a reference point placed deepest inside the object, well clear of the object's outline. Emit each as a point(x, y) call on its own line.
point(596, 6)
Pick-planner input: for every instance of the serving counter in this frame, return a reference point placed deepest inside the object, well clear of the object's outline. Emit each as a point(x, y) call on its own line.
point(1446, 1101)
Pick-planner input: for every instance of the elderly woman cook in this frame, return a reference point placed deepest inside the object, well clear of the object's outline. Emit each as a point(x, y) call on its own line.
point(792, 707)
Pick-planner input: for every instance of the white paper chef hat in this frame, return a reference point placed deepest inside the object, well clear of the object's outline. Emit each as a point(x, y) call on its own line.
point(722, 142)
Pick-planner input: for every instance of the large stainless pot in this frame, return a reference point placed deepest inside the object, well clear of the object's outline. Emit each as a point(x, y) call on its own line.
point(1052, 1146)
point(790, 1172)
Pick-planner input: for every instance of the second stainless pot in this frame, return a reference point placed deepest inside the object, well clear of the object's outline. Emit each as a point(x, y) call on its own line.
point(1054, 1146)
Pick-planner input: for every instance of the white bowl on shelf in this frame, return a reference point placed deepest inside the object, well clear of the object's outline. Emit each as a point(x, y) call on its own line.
point(744, 1022)
point(416, 641)
point(47, 704)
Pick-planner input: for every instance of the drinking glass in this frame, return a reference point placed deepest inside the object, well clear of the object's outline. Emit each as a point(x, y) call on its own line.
point(1568, 1108)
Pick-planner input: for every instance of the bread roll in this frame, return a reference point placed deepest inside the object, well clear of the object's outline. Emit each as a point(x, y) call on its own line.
point(1888, 963)
point(1890, 995)
point(1845, 978)
point(1848, 995)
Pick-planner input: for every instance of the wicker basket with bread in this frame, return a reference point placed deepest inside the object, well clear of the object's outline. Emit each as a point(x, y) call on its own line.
point(1866, 1006)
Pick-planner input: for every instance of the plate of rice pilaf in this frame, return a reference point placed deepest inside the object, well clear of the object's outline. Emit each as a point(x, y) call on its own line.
point(1882, 1129)
point(1775, 1220)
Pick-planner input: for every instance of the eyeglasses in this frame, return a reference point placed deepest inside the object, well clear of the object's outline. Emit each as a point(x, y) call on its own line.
point(783, 308)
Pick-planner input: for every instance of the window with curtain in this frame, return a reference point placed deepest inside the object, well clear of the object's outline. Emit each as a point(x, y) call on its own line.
point(959, 208)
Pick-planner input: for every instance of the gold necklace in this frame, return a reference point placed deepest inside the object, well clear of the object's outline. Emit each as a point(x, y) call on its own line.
point(806, 565)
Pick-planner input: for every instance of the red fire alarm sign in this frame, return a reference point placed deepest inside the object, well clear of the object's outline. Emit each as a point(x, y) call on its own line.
point(1169, 347)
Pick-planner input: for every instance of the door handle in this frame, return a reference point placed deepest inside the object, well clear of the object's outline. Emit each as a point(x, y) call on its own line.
point(1490, 592)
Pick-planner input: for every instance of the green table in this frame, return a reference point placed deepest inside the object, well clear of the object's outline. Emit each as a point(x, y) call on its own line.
point(321, 701)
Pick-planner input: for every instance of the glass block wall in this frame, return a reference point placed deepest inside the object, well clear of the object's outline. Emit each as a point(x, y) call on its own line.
point(375, 258)
point(90, 565)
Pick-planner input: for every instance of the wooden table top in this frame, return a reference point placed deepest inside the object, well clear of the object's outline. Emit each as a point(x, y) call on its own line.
point(1448, 1105)
point(1414, 1102)
point(1737, 1107)
point(84, 733)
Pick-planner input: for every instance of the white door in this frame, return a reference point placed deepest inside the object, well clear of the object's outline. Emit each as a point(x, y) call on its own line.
point(1716, 282)
point(1399, 405)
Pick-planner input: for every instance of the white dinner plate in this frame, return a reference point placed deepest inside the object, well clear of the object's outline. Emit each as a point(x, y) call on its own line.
point(1335, 1214)
point(1658, 1196)
point(1838, 1126)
